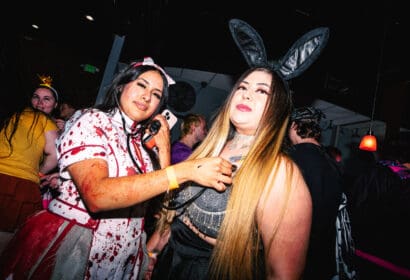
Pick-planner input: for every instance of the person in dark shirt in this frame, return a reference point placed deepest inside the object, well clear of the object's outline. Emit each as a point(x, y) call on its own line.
point(325, 184)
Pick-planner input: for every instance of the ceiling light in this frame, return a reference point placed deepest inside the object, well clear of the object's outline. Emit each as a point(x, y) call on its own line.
point(89, 17)
point(35, 26)
point(369, 141)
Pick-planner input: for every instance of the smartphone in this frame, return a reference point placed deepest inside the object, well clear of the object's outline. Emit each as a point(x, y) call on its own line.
point(148, 138)
point(170, 117)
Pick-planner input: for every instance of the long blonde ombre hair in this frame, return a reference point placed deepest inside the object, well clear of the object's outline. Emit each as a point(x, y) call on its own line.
point(238, 242)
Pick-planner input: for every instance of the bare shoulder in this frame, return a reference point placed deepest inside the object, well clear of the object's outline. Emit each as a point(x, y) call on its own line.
point(286, 186)
point(288, 175)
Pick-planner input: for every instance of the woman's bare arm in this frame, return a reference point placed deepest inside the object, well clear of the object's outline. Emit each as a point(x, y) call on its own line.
point(102, 193)
point(287, 254)
point(50, 152)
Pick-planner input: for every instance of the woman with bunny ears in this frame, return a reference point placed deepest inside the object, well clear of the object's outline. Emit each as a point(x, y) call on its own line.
point(259, 227)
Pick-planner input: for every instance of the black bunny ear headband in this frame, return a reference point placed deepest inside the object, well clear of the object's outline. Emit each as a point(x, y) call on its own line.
point(299, 57)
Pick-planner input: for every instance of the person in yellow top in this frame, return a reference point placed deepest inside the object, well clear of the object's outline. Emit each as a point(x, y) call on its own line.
point(27, 149)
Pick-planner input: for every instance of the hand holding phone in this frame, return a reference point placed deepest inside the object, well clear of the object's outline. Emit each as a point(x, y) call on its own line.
point(154, 127)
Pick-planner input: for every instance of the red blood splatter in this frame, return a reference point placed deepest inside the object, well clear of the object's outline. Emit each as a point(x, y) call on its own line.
point(95, 257)
point(77, 150)
point(133, 260)
point(99, 131)
point(91, 223)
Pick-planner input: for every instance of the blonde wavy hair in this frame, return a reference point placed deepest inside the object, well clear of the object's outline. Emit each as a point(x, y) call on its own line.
point(240, 248)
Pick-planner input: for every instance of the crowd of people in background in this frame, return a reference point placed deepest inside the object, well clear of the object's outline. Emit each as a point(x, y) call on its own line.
point(27, 151)
point(257, 196)
point(29, 130)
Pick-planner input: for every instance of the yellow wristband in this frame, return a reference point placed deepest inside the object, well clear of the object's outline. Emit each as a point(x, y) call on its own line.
point(173, 183)
point(152, 255)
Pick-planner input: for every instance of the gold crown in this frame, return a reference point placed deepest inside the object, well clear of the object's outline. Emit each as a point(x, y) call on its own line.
point(46, 80)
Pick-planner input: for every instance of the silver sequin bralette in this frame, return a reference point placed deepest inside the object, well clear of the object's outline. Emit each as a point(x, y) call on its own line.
point(207, 211)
